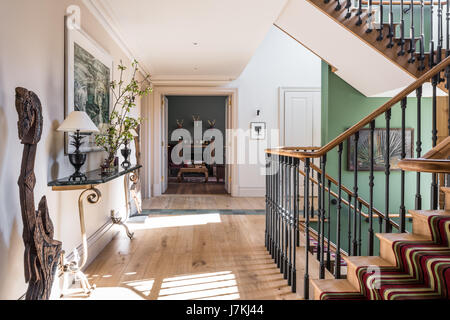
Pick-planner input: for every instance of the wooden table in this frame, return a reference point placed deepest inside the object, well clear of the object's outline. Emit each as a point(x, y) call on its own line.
point(182, 171)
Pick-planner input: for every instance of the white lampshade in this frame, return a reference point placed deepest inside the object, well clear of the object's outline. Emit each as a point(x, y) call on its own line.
point(78, 120)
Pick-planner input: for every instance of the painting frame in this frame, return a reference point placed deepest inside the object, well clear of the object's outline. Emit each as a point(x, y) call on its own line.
point(75, 38)
point(379, 165)
point(254, 133)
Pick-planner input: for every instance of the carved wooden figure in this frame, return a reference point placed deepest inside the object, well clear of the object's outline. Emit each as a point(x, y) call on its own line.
point(42, 252)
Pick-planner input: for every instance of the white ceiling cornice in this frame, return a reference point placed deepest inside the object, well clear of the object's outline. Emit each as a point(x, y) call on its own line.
point(104, 16)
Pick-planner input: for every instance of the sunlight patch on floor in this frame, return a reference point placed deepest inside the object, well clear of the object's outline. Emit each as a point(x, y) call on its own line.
point(217, 285)
point(176, 221)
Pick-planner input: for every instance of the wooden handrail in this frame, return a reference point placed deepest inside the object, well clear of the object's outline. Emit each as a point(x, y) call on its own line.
point(441, 151)
point(416, 3)
point(366, 120)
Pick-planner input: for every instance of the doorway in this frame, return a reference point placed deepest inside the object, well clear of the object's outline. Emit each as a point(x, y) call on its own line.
point(194, 142)
point(300, 119)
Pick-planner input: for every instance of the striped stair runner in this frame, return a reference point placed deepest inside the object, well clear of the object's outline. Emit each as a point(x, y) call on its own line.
point(422, 271)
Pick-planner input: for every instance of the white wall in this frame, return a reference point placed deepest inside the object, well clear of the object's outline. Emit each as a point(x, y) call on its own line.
point(279, 61)
point(32, 56)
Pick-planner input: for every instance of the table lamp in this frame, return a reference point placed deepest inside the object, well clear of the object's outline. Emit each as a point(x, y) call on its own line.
point(78, 122)
point(126, 151)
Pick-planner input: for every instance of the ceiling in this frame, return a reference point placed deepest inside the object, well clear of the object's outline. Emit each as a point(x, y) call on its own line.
point(190, 40)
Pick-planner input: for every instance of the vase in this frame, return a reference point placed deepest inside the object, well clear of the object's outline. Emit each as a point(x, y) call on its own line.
point(110, 165)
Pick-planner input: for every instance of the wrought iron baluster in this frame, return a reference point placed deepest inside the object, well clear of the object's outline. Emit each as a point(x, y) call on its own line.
point(349, 226)
point(319, 212)
point(434, 132)
point(329, 227)
point(266, 231)
point(359, 13)
point(289, 219)
point(338, 6)
point(278, 215)
point(323, 162)
point(359, 228)
point(306, 207)
point(418, 200)
point(381, 26)
point(390, 34)
point(369, 18)
point(412, 45)
point(348, 6)
point(422, 37)
point(285, 220)
point(402, 31)
point(295, 222)
point(371, 185)
point(337, 262)
point(431, 61)
point(440, 35)
point(312, 194)
point(387, 172)
point(355, 193)
point(402, 173)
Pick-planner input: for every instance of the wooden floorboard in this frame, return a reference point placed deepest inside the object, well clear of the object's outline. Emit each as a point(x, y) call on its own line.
point(204, 202)
point(224, 258)
point(195, 188)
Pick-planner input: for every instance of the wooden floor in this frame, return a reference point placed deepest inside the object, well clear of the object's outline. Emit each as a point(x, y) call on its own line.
point(203, 256)
point(201, 202)
point(195, 188)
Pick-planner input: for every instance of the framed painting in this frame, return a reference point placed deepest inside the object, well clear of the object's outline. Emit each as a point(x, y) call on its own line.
point(88, 73)
point(257, 130)
point(395, 149)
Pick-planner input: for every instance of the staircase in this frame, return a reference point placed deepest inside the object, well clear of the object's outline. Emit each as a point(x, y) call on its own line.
point(413, 265)
point(410, 266)
point(393, 42)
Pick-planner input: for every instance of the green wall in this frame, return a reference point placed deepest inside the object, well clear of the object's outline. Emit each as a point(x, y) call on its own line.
point(207, 107)
point(342, 107)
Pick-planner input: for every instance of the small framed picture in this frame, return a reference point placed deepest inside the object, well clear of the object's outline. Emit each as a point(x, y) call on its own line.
point(257, 130)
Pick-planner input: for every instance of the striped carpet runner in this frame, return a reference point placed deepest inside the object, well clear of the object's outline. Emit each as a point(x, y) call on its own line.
point(422, 271)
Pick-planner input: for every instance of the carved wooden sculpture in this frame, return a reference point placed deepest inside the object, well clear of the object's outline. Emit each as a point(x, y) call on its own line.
point(42, 252)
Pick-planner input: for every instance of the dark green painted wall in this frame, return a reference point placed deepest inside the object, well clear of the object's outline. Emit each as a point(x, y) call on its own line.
point(207, 107)
point(342, 107)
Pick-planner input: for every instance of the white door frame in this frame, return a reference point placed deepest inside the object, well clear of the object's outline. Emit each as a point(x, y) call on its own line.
point(153, 167)
point(281, 97)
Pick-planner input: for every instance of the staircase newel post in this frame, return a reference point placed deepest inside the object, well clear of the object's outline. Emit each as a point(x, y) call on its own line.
point(402, 174)
point(371, 185)
point(306, 207)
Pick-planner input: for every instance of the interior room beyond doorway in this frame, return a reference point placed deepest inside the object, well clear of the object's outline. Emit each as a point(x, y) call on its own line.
point(195, 131)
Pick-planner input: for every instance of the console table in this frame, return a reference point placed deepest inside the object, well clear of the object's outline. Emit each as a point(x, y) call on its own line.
point(202, 170)
point(93, 196)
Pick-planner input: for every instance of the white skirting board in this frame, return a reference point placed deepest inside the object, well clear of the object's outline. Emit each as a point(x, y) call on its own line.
point(251, 192)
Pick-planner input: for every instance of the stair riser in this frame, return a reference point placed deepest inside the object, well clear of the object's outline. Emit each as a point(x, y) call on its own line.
point(447, 198)
point(386, 251)
point(420, 226)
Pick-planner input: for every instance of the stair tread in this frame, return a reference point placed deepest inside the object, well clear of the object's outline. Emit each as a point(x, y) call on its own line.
point(364, 261)
point(391, 237)
point(429, 213)
point(334, 285)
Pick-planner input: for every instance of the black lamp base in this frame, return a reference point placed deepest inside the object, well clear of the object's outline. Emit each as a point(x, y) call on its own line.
point(125, 153)
point(77, 159)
